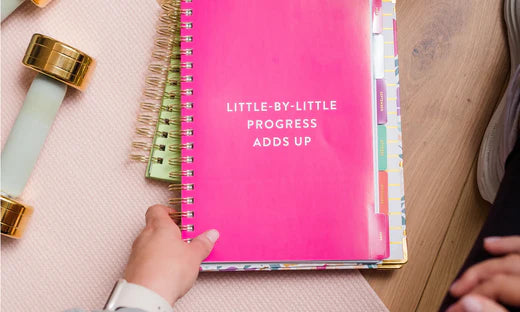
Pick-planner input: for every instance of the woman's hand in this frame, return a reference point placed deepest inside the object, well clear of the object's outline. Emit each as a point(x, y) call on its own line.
point(162, 261)
point(487, 285)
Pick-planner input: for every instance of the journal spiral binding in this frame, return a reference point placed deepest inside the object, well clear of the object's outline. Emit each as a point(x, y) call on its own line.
point(160, 84)
point(186, 118)
point(159, 121)
point(160, 130)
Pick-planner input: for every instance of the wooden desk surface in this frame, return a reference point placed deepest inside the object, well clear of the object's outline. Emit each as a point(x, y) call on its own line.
point(453, 69)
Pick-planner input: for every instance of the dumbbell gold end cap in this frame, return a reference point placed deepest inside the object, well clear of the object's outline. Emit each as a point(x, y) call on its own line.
point(15, 217)
point(59, 61)
point(41, 3)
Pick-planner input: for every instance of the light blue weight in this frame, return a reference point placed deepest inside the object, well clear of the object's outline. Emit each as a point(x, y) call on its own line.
point(29, 132)
point(8, 6)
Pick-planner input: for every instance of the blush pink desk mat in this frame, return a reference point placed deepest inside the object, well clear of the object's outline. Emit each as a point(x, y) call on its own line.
point(90, 199)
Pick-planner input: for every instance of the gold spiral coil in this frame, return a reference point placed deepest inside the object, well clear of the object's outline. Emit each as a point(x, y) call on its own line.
point(182, 214)
point(187, 25)
point(162, 56)
point(144, 158)
point(187, 105)
point(177, 161)
point(157, 107)
point(158, 69)
point(181, 173)
point(167, 43)
point(174, 187)
point(155, 81)
point(166, 30)
point(183, 201)
point(187, 227)
point(150, 120)
point(150, 107)
point(147, 146)
point(180, 133)
point(180, 147)
point(154, 94)
point(187, 12)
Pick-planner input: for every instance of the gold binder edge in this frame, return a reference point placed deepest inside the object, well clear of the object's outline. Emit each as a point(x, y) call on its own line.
point(396, 263)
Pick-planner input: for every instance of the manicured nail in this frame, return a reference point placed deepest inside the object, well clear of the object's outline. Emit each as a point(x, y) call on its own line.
point(491, 239)
point(212, 235)
point(471, 304)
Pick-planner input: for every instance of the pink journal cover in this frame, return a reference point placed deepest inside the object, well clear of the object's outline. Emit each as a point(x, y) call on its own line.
point(282, 130)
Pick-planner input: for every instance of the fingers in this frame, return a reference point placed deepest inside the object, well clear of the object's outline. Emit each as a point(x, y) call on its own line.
point(502, 288)
point(158, 216)
point(483, 271)
point(502, 245)
point(491, 281)
point(476, 303)
point(202, 245)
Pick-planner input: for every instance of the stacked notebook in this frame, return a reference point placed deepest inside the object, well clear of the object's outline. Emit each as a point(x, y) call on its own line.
point(278, 123)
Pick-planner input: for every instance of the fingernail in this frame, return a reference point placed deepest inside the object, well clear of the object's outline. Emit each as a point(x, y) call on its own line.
point(491, 239)
point(212, 235)
point(471, 304)
point(453, 287)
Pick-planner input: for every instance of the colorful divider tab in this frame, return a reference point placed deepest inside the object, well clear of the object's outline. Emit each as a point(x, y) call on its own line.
point(382, 147)
point(382, 116)
point(383, 192)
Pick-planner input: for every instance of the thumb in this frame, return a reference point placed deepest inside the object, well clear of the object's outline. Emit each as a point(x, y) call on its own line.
point(202, 245)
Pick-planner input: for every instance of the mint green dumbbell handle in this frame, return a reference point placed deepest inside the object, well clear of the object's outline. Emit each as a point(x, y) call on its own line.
point(29, 132)
point(8, 6)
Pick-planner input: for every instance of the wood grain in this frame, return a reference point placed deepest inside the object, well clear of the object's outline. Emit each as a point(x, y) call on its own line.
point(453, 65)
point(470, 214)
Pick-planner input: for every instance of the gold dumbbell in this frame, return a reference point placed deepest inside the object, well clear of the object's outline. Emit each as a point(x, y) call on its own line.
point(58, 65)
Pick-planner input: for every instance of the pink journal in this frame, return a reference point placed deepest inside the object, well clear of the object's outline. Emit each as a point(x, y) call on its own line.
point(280, 123)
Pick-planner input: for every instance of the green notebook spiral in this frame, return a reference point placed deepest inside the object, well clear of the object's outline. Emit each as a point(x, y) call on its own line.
point(160, 118)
